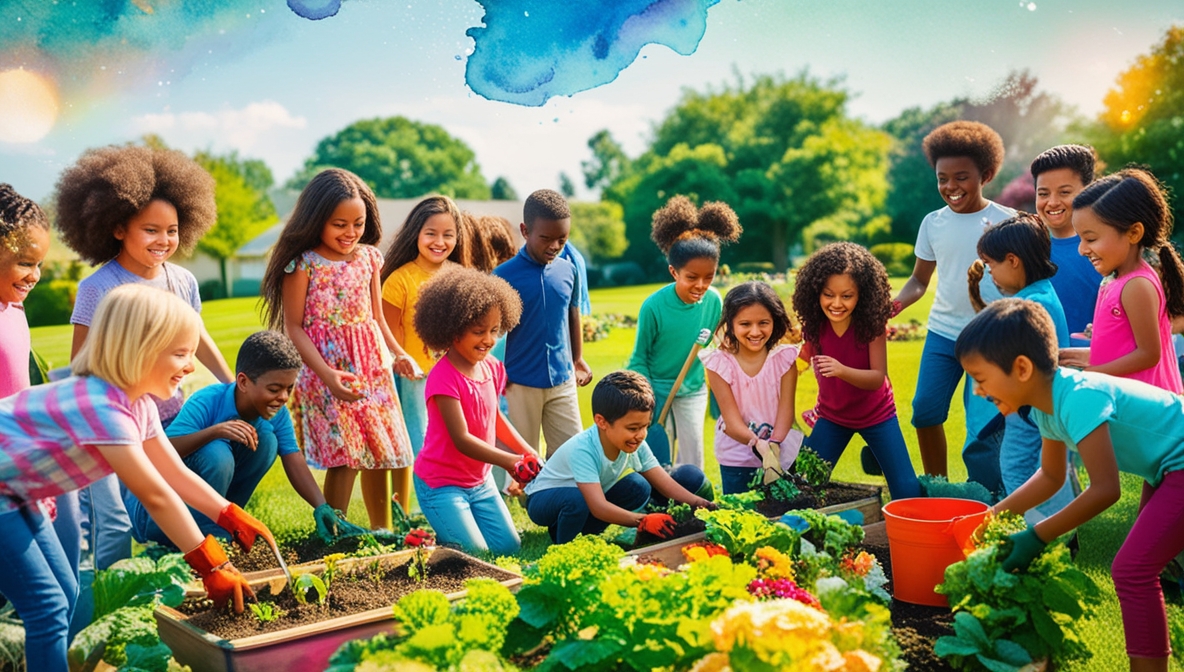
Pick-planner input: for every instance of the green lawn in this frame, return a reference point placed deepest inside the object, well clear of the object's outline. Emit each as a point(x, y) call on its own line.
point(231, 320)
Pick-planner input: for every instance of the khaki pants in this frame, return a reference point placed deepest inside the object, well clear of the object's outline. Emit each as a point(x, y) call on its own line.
point(555, 410)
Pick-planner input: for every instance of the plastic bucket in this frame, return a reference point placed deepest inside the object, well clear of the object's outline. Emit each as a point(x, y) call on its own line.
point(923, 541)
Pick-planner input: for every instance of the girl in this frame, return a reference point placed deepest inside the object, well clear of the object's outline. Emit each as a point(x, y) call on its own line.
point(430, 238)
point(754, 381)
point(672, 317)
point(58, 437)
point(843, 299)
point(321, 287)
point(1119, 218)
point(490, 241)
point(463, 311)
point(1018, 251)
point(24, 241)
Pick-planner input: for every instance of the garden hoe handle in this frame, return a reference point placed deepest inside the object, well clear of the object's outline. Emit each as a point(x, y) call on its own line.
point(283, 565)
point(704, 337)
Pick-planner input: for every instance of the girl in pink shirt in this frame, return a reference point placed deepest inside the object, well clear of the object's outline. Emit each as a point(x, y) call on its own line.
point(24, 240)
point(754, 380)
point(843, 299)
point(463, 311)
point(1119, 217)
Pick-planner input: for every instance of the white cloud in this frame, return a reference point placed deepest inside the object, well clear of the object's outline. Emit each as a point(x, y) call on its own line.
point(244, 129)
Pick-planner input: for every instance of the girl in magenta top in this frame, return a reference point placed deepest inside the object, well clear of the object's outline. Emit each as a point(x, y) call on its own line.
point(1119, 217)
point(463, 311)
point(24, 240)
point(844, 300)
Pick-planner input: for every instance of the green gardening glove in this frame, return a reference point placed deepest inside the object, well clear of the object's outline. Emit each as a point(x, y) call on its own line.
point(1020, 549)
point(332, 524)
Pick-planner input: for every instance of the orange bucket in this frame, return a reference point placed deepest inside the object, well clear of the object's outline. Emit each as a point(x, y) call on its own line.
point(923, 540)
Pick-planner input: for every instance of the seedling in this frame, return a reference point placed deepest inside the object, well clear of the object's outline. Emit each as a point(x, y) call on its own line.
point(310, 584)
point(330, 573)
point(423, 542)
point(266, 612)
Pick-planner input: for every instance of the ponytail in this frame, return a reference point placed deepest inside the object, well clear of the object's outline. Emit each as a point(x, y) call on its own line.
point(1171, 275)
point(974, 276)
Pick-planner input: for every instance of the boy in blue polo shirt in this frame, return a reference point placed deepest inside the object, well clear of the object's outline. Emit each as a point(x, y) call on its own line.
point(230, 434)
point(545, 353)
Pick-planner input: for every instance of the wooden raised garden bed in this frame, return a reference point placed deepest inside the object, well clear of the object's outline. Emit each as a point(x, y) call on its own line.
point(307, 646)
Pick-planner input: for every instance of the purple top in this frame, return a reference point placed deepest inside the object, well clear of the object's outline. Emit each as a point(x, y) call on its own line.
point(841, 402)
point(1113, 336)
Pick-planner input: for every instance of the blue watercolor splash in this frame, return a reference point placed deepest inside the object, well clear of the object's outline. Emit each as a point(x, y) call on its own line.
point(531, 50)
point(315, 9)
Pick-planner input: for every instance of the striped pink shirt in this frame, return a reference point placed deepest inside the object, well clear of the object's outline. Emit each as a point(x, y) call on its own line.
point(49, 434)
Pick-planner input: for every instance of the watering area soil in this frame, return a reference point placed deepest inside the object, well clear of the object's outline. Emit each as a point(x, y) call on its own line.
point(308, 549)
point(348, 594)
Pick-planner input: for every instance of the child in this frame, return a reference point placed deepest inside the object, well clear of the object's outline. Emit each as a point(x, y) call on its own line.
point(1061, 173)
point(843, 298)
point(545, 358)
point(754, 379)
point(130, 209)
point(322, 287)
point(490, 240)
point(1119, 217)
point(64, 435)
point(24, 242)
point(1115, 425)
point(1017, 251)
point(966, 156)
point(672, 317)
point(462, 310)
point(430, 237)
point(581, 489)
point(229, 434)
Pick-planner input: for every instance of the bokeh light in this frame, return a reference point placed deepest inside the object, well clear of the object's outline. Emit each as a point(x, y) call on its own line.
point(28, 106)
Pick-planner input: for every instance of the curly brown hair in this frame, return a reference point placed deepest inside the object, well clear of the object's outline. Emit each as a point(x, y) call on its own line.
point(684, 232)
point(455, 298)
point(870, 317)
point(491, 241)
point(107, 186)
point(972, 139)
point(405, 246)
point(17, 214)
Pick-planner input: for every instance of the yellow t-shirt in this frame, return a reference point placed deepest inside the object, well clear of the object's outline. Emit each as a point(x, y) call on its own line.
point(401, 290)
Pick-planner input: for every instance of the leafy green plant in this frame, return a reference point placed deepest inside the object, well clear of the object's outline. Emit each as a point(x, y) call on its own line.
point(306, 585)
point(117, 631)
point(830, 533)
point(680, 512)
point(266, 612)
point(330, 573)
point(139, 581)
point(741, 501)
point(813, 468)
point(743, 532)
point(784, 490)
point(970, 642)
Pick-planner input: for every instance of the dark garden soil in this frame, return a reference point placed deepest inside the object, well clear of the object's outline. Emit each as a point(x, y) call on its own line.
point(349, 594)
point(308, 549)
point(833, 493)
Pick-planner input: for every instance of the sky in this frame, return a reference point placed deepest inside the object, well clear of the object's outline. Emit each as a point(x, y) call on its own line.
point(256, 77)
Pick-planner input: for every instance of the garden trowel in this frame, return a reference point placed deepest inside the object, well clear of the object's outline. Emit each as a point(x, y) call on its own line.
point(276, 585)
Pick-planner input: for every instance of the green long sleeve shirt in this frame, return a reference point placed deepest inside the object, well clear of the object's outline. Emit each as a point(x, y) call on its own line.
point(666, 331)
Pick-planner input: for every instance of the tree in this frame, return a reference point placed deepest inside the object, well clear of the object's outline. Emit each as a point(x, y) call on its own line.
point(399, 158)
point(598, 230)
point(566, 186)
point(244, 208)
point(609, 162)
point(501, 190)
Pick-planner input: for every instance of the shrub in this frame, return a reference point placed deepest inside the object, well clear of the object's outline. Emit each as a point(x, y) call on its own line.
point(897, 257)
point(211, 290)
point(51, 303)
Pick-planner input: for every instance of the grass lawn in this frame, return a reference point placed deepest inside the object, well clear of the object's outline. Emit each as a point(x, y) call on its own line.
point(231, 320)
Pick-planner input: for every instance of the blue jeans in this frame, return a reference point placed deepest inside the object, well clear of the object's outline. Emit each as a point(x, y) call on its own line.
point(565, 514)
point(230, 468)
point(415, 408)
point(886, 442)
point(736, 479)
point(476, 518)
point(36, 577)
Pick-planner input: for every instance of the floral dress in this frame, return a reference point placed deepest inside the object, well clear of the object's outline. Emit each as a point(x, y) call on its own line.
point(338, 318)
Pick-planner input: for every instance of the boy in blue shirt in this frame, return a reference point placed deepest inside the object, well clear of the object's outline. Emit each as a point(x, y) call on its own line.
point(230, 434)
point(1114, 424)
point(545, 353)
point(581, 489)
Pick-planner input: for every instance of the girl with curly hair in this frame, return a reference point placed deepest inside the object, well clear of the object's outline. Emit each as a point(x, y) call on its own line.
point(463, 311)
point(322, 287)
point(670, 320)
point(24, 242)
point(754, 380)
point(843, 298)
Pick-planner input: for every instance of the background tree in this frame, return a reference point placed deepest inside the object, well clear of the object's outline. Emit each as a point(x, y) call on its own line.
point(399, 158)
point(566, 186)
point(244, 208)
point(598, 230)
point(501, 190)
point(609, 162)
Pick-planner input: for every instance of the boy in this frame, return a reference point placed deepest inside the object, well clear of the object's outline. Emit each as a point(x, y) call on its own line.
point(1114, 424)
point(966, 156)
point(581, 491)
point(548, 346)
point(1060, 174)
point(229, 434)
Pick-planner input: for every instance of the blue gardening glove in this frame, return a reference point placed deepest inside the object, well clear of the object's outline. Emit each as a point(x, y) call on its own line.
point(331, 524)
point(1020, 550)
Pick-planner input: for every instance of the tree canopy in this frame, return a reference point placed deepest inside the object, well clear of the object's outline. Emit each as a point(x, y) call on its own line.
point(598, 230)
point(244, 208)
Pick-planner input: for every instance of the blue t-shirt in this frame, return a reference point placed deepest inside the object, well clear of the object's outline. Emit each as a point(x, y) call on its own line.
point(1146, 423)
point(1042, 292)
point(573, 255)
point(215, 403)
point(538, 350)
point(581, 459)
point(1076, 283)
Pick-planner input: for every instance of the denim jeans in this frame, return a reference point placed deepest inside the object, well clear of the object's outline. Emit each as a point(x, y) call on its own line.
point(736, 479)
point(565, 514)
point(476, 518)
point(415, 408)
point(36, 577)
point(230, 468)
point(886, 442)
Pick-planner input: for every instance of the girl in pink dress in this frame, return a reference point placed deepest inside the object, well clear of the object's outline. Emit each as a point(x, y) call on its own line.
point(322, 288)
point(1120, 217)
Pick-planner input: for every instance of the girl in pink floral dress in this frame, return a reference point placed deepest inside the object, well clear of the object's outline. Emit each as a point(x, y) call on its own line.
point(322, 288)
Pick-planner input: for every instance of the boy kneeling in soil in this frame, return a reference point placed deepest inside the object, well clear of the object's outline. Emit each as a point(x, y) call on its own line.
point(229, 434)
point(581, 489)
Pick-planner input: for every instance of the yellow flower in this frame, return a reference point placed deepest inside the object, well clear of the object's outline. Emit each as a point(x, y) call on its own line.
point(861, 661)
point(773, 564)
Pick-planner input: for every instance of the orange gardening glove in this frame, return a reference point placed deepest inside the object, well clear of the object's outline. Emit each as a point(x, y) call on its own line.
point(221, 579)
point(242, 526)
point(526, 469)
point(660, 525)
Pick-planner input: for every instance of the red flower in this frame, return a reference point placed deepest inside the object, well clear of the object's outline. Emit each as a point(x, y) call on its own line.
point(418, 537)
